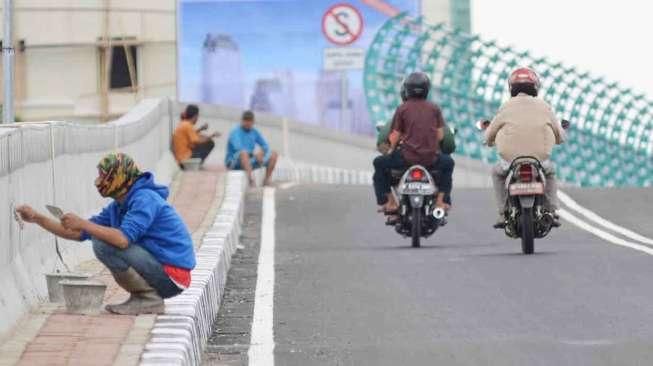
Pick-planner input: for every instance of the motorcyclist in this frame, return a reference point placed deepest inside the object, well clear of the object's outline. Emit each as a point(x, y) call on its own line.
point(415, 136)
point(525, 125)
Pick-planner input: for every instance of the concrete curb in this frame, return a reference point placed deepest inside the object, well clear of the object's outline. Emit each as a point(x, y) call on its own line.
point(179, 336)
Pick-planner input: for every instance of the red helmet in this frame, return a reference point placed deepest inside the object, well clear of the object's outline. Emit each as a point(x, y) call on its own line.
point(524, 80)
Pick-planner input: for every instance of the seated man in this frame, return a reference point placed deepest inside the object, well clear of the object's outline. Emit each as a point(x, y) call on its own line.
point(242, 153)
point(138, 236)
point(188, 142)
point(419, 126)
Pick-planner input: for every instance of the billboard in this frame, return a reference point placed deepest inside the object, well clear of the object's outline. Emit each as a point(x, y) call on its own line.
point(295, 58)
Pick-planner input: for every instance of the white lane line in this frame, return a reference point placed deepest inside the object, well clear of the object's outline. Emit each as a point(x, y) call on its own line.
point(603, 234)
point(287, 185)
point(261, 349)
point(590, 215)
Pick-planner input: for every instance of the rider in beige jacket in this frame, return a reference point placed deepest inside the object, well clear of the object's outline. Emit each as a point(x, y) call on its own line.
point(524, 126)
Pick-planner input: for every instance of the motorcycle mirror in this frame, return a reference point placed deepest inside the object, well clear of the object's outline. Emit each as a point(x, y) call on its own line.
point(482, 124)
point(565, 124)
point(439, 213)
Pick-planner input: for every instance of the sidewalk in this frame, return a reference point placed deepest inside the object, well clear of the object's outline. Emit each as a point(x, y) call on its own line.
point(48, 336)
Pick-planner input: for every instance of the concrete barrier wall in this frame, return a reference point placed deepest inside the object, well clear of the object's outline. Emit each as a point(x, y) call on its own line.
point(55, 163)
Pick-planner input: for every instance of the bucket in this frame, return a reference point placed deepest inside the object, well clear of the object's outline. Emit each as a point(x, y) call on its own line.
point(83, 296)
point(55, 292)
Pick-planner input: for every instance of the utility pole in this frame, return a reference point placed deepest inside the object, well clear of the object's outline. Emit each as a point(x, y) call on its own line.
point(8, 65)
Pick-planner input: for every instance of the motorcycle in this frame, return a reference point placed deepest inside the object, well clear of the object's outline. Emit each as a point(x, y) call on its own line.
point(415, 190)
point(525, 212)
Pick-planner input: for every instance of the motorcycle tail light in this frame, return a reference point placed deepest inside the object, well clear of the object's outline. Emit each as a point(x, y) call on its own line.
point(526, 173)
point(417, 174)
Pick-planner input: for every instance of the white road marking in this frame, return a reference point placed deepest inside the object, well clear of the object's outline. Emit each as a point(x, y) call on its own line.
point(261, 349)
point(603, 234)
point(287, 185)
point(590, 215)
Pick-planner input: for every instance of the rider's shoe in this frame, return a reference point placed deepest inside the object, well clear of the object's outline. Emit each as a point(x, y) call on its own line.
point(501, 223)
point(555, 219)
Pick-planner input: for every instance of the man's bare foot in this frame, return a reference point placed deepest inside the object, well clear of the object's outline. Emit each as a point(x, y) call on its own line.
point(267, 183)
point(252, 182)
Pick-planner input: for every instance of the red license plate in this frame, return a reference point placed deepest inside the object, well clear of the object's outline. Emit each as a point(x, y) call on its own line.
point(526, 189)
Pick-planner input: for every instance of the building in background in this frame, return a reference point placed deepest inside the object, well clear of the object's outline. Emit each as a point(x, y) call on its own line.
point(329, 98)
point(275, 95)
point(92, 59)
point(222, 81)
point(455, 13)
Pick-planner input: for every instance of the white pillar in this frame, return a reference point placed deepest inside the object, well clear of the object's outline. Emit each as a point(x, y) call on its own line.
point(8, 65)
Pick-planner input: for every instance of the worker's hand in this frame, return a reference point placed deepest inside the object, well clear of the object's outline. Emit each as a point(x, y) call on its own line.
point(203, 127)
point(216, 135)
point(27, 213)
point(71, 221)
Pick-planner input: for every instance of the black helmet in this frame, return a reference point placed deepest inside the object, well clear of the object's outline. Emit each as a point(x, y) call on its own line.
point(417, 85)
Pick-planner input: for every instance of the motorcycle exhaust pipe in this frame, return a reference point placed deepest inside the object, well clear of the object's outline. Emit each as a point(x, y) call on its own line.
point(438, 213)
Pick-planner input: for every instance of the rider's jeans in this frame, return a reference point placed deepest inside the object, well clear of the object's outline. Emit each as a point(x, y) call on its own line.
point(500, 173)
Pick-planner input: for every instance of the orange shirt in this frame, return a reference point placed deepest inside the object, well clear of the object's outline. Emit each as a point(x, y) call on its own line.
point(184, 140)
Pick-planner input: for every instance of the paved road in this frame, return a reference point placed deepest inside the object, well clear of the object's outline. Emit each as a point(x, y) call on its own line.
point(629, 207)
point(349, 291)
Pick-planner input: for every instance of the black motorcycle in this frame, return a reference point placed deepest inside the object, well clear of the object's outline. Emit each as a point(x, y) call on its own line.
point(525, 212)
point(415, 190)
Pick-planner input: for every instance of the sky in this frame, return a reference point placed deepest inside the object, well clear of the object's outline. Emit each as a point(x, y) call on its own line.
point(606, 38)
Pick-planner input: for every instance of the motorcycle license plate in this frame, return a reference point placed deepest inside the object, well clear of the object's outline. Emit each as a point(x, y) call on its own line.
point(417, 186)
point(526, 189)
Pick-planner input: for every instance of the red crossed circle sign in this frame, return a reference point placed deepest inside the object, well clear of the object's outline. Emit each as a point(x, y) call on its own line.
point(342, 24)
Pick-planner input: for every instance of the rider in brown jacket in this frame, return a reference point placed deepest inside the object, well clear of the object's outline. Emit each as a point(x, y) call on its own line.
point(524, 126)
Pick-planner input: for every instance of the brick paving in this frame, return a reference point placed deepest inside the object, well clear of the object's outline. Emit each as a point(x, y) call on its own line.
point(107, 339)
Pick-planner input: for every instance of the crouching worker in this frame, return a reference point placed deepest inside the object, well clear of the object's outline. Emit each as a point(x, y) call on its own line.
point(139, 236)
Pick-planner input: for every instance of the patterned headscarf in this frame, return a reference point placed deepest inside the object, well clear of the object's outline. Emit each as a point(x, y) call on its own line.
point(117, 172)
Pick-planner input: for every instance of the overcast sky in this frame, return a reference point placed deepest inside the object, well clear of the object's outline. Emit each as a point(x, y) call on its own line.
point(607, 38)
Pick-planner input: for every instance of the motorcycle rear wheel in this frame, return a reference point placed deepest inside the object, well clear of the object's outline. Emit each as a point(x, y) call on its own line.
point(527, 231)
point(416, 230)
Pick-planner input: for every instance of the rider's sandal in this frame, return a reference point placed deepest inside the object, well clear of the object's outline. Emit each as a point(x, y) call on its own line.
point(499, 225)
point(392, 220)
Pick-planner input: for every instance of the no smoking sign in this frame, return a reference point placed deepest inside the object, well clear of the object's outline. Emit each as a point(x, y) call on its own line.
point(342, 24)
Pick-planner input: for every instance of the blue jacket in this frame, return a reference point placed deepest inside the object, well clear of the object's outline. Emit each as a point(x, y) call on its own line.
point(242, 140)
point(148, 220)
